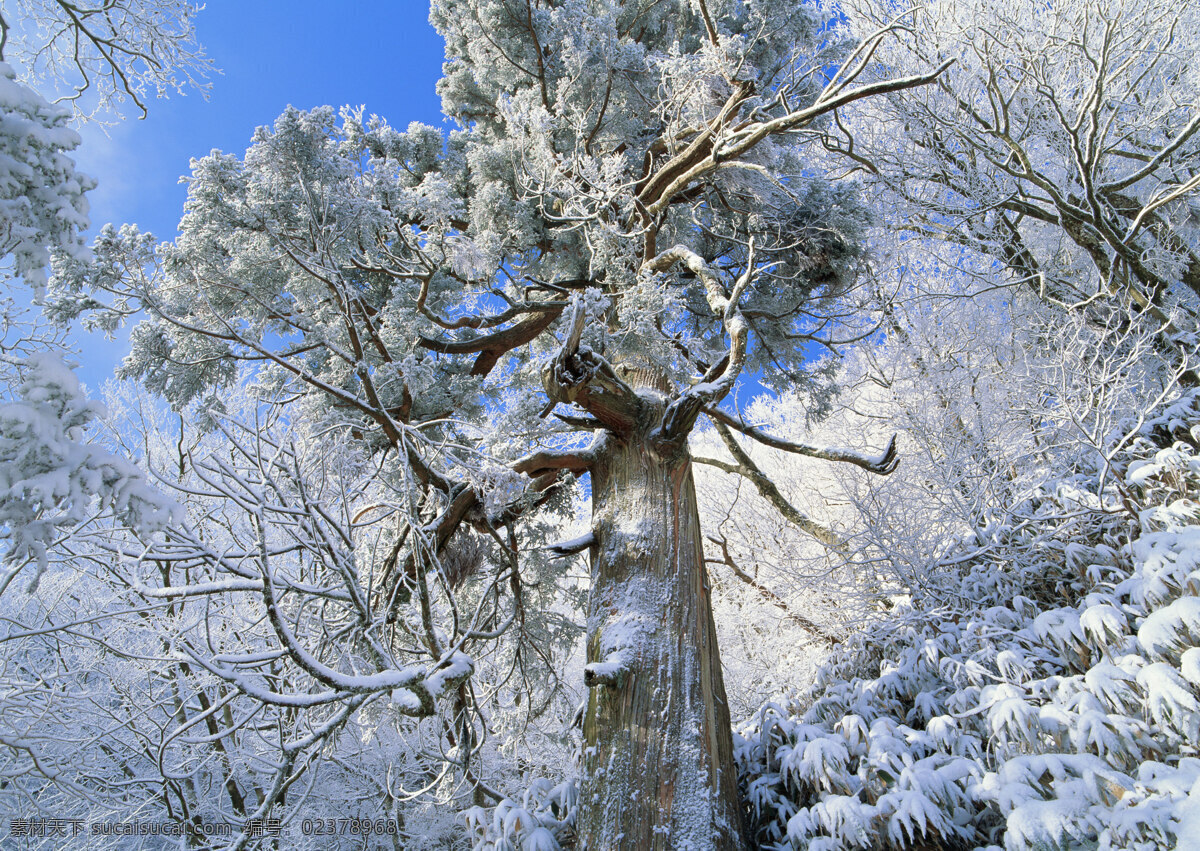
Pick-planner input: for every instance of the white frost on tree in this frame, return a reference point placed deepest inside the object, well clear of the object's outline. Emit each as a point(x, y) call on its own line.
point(624, 223)
point(51, 477)
point(42, 204)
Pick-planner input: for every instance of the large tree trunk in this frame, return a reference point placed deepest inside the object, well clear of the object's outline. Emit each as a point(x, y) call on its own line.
point(658, 753)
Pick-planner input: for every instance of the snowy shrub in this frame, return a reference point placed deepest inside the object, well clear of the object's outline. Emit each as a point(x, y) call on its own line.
point(1041, 693)
point(544, 820)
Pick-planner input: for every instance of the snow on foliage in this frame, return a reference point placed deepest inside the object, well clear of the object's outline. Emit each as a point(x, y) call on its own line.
point(42, 203)
point(50, 476)
point(543, 820)
point(1042, 693)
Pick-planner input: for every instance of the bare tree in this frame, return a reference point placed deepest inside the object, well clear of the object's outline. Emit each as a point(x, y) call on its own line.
point(97, 55)
point(1062, 144)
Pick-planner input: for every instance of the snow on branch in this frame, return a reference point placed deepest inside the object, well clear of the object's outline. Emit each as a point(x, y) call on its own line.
point(43, 204)
point(681, 414)
point(768, 490)
point(727, 559)
point(50, 476)
point(884, 463)
point(712, 148)
point(420, 687)
point(573, 546)
point(541, 462)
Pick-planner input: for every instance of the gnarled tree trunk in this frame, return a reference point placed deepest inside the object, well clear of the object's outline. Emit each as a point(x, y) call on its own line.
point(658, 758)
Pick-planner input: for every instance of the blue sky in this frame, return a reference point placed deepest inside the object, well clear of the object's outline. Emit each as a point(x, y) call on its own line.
point(378, 53)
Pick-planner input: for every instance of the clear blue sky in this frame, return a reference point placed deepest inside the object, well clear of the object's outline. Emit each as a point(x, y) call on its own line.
point(378, 53)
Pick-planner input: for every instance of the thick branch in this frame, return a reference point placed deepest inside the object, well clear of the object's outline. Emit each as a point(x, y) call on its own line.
point(573, 546)
point(577, 374)
point(584, 423)
point(541, 462)
point(492, 347)
point(883, 464)
point(746, 467)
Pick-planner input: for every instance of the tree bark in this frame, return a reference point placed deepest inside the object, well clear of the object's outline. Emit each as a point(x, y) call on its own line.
point(658, 769)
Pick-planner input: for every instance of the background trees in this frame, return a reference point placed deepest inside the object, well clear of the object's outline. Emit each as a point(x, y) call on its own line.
point(1024, 418)
point(96, 56)
point(110, 52)
point(186, 694)
point(1037, 691)
point(93, 57)
point(1062, 144)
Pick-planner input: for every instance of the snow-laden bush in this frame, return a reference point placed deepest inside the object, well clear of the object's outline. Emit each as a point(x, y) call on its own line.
point(543, 820)
point(1043, 692)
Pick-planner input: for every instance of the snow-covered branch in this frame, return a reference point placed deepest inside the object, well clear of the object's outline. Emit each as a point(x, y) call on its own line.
point(883, 464)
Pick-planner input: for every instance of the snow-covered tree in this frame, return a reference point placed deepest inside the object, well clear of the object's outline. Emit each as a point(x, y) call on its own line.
point(42, 203)
point(1032, 691)
point(365, 333)
point(50, 476)
point(94, 56)
point(118, 49)
point(97, 54)
point(629, 218)
point(1062, 144)
point(183, 676)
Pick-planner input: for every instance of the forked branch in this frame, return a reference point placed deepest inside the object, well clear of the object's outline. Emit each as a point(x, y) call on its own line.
point(768, 595)
point(681, 414)
point(579, 375)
